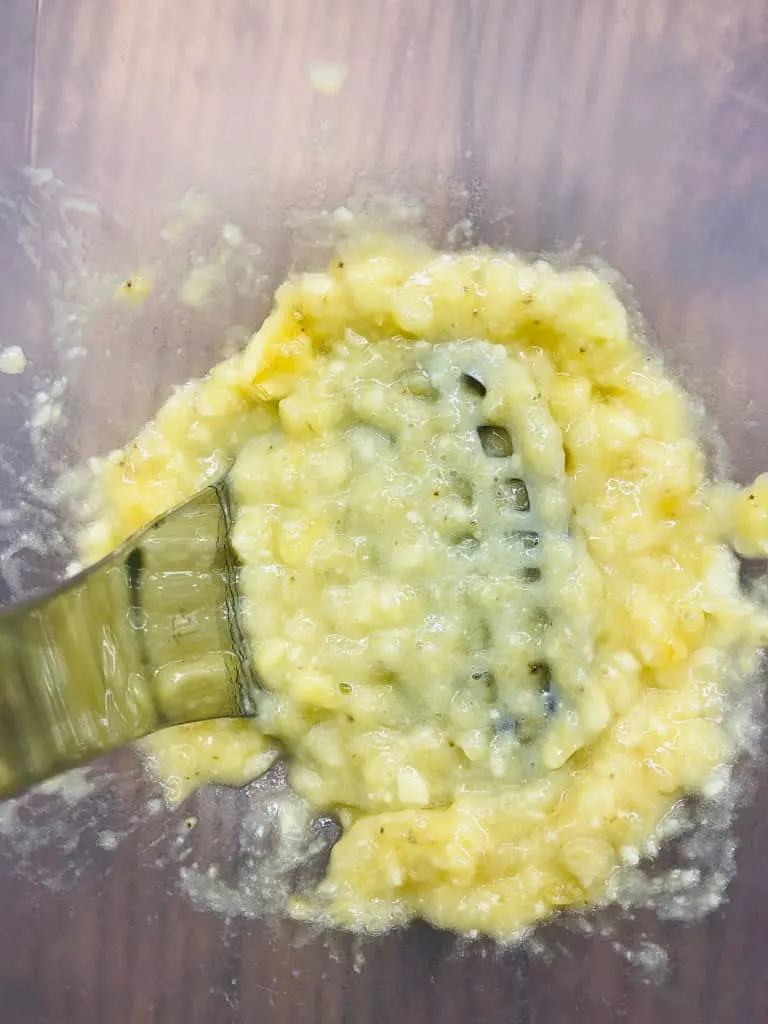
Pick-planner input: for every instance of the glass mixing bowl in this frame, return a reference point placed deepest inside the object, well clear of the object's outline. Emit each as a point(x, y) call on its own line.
point(129, 134)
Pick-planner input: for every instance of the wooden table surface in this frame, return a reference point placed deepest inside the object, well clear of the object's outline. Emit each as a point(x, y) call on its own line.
point(638, 128)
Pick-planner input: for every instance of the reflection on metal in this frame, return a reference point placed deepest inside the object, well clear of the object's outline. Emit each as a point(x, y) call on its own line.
point(148, 637)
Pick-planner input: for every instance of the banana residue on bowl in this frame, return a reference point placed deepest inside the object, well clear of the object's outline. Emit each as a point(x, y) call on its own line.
point(490, 583)
point(13, 360)
point(326, 76)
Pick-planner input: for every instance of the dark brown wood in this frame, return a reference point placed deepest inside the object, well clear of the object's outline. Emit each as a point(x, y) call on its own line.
point(637, 127)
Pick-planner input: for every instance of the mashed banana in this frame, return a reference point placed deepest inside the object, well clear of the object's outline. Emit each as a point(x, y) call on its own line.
point(489, 585)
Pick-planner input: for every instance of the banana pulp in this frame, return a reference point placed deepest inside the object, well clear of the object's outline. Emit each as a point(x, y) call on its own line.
point(490, 584)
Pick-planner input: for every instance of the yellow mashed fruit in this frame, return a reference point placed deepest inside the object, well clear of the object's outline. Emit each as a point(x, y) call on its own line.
point(491, 590)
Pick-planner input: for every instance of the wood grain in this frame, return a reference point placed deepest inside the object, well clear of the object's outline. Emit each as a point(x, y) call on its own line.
point(638, 128)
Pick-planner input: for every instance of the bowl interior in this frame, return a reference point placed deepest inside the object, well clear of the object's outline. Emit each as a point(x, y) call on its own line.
point(130, 135)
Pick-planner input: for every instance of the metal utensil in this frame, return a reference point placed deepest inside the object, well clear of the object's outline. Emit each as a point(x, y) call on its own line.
point(148, 637)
